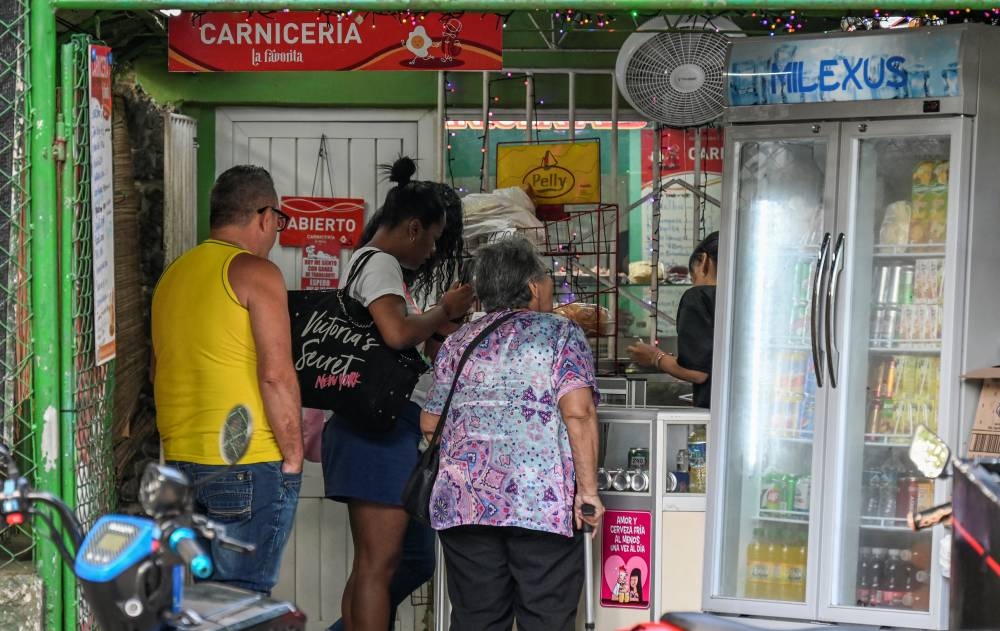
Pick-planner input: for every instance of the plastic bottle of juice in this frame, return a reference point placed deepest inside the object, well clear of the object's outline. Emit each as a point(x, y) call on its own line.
point(784, 566)
point(698, 467)
point(769, 550)
point(758, 568)
point(795, 563)
point(776, 589)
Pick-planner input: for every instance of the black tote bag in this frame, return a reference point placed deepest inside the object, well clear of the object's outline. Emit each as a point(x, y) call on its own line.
point(417, 492)
point(342, 362)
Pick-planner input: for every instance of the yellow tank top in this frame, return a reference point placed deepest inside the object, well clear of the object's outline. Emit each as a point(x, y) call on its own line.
point(206, 360)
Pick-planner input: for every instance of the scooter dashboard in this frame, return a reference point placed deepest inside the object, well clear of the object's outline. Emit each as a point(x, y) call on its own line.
point(115, 544)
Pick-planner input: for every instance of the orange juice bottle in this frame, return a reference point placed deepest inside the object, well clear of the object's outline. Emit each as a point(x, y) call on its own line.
point(758, 567)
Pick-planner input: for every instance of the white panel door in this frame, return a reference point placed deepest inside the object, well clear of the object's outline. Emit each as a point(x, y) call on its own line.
point(286, 142)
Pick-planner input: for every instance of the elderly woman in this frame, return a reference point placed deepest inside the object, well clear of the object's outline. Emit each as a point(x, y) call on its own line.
point(518, 452)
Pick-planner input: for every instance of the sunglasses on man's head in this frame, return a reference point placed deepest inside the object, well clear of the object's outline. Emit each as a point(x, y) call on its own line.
point(283, 219)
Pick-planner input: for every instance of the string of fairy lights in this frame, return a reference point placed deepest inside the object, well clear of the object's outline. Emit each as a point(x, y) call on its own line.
point(563, 21)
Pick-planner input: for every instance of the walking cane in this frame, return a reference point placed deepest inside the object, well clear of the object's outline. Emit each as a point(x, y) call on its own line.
point(588, 510)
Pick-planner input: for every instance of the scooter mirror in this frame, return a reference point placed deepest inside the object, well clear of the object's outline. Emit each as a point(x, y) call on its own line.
point(234, 440)
point(928, 452)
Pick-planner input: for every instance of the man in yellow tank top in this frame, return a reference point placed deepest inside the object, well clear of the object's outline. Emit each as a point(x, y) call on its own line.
point(221, 337)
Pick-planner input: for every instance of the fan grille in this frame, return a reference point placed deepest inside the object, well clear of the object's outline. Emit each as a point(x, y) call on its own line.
point(677, 78)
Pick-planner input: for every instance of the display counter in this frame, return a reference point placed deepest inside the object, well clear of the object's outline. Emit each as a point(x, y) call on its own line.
point(649, 551)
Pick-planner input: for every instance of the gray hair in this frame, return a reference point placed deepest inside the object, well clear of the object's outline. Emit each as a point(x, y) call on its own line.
point(503, 270)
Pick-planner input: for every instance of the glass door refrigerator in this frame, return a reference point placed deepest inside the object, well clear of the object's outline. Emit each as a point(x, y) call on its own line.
point(858, 281)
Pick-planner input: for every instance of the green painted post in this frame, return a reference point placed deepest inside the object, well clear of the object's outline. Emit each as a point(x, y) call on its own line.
point(44, 286)
point(67, 390)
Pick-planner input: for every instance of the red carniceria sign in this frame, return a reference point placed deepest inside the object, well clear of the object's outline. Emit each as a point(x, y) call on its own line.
point(678, 149)
point(332, 217)
point(322, 40)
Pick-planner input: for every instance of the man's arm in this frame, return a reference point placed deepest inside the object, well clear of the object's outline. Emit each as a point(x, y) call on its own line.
point(261, 288)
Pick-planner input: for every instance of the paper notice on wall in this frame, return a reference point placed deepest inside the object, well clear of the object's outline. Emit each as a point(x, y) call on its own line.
point(321, 263)
point(102, 203)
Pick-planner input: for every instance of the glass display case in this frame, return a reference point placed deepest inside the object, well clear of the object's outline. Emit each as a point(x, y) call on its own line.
point(650, 461)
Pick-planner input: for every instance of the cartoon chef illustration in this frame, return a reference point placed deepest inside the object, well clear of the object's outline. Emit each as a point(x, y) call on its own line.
point(450, 45)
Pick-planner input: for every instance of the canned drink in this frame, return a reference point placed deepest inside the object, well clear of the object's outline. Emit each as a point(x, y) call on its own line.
point(671, 482)
point(882, 274)
point(891, 327)
point(639, 481)
point(603, 479)
point(877, 334)
point(895, 285)
point(620, 480)
point(906, 287)
point(638, 458)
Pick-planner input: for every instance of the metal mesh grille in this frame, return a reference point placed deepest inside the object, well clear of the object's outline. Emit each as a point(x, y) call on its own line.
point(93, 470)
point(677, 78)
point(16, 545)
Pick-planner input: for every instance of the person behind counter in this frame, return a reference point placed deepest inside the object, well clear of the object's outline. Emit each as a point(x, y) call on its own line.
point(695, 327)
point(368, 471)
point(518, 452)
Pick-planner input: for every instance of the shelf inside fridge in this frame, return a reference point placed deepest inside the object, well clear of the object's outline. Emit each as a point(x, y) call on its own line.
point(791, 435)
point(785, 516)
point(909, 347)
point(909, 250)
point(885, 523)
point(887, 440)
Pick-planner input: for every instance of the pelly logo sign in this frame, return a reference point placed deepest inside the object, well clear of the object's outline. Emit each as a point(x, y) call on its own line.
point(549, 180)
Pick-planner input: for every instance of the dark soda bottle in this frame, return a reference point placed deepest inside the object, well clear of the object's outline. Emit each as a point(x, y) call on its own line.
point(863, 590)
point(876, 571)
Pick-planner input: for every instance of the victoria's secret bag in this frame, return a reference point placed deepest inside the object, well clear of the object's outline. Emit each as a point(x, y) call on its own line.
point(342, 362)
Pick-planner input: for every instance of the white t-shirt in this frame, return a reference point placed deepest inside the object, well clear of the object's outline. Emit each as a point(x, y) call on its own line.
point(381, 276)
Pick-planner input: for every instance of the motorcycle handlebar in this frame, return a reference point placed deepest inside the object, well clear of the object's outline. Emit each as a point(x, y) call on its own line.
point(184, 542)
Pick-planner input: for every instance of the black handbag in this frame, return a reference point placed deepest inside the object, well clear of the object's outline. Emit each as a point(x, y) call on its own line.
point(342, 362)
point(417, 492)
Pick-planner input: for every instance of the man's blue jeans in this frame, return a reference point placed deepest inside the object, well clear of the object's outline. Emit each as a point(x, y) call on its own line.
point(256, 503)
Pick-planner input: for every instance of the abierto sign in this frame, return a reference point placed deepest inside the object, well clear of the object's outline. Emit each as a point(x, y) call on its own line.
point(321, 40)
point(339, 219)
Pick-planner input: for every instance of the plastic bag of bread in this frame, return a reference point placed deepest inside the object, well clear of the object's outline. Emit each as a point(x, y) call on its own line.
point(642, 271)
point(895, 228)
point(593, 319)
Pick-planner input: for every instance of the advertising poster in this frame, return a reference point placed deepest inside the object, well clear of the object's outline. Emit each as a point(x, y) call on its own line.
point(326, 40)
point(321, 263)
point(102, 203)
point(339, 219)
point(625, 558)
point(677, 207)
point(552, 172)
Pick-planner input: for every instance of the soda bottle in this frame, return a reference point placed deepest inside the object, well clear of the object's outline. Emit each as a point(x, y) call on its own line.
point(887, 494)
point(892, 585)
point(863, 590)
point(758, 567)
point(788, 499)
point(918, 590)
point(772, 490)
point(875, 577)
point(697, 467)
point(784, 566)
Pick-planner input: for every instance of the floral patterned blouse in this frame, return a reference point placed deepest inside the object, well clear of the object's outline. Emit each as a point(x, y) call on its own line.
point(505, 453)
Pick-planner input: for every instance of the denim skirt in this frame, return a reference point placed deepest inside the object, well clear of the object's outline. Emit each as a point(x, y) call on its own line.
point(370, 467)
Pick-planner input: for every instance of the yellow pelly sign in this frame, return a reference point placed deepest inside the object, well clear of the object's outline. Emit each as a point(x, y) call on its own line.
point(552, 172)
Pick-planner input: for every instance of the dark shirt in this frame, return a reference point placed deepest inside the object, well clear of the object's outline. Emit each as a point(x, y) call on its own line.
point(695, 336)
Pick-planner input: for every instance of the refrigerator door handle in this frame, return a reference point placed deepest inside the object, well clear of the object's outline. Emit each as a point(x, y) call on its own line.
point(833, 283)
point(814, 335)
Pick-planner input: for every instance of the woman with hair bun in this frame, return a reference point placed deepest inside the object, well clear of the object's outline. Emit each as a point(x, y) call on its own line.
point(695, 327)
point(368, 471)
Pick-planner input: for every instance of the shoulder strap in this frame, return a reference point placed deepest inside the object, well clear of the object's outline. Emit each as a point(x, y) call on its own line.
point(357, 267)
point(458, 370)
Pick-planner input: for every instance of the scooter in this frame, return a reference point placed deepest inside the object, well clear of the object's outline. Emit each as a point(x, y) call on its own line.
point(133, 569)
point(974, 515)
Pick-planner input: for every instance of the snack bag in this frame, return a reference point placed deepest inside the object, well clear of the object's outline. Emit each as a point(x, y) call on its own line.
point(895, 228)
